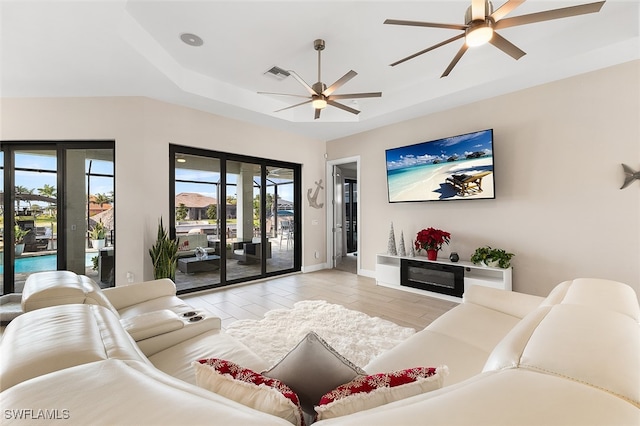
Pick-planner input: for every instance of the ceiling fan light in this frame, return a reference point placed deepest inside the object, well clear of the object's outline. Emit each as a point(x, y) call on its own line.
point(479, 35)
point(319, 103)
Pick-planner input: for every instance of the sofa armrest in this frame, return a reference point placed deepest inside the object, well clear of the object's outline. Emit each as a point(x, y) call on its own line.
point(508, 302)
point(152, 324)
point(128, 295)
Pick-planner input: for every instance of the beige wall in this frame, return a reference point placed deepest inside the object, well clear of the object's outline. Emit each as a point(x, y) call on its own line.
point(558, 150)
point(143, 130)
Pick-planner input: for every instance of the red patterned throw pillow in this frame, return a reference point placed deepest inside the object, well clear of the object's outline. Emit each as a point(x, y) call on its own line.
point(249, 388)
point(371, 391)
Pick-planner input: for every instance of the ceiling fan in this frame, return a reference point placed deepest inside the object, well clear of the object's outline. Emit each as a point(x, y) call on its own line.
point(481, 21)
point(320, 95)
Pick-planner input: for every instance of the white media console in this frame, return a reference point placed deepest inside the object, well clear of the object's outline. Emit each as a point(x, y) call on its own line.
point(388, 274)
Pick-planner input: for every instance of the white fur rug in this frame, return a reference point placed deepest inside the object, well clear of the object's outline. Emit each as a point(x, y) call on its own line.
point(356, 336)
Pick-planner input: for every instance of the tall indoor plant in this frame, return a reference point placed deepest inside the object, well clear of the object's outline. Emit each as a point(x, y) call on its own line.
point(164, 255)
point(431, 240)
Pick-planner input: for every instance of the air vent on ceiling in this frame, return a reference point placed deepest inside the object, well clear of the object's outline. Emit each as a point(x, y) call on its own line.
point(277, 73)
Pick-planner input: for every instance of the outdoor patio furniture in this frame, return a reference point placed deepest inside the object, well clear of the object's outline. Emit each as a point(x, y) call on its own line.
point(250, 251)
point(286, 233)
point(467, 184)
point(190, 265)
point(38, 238)
point(187, 245)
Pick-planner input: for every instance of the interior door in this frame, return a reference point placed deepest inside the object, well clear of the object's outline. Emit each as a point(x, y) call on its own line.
point(338, 216)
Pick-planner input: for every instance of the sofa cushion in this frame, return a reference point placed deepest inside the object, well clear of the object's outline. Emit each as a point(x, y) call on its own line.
point(365, 392)
point(508, 302)
point(191, 241)
point(312, 369)
point(53, 288)
point(59, 337)
point(248, 388)
point(462, 339)
point(145, 396)
point(590, 345)
point(176, 360)
point(606, 294)
point(502, 398)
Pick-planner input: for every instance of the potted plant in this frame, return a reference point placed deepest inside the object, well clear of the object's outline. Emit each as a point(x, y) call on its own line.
point(98, 235)
point(164, 255)
point(431, 240)
point(492, 257)
point(18, 235)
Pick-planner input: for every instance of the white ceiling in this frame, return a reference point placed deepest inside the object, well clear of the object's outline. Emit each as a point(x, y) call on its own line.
point(132, 48)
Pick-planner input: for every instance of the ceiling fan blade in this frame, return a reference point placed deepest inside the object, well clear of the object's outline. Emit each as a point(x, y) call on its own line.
point(343, 107)
point(342, 80)
point(317, 114)
point(281, 94)
point(356, 95)
point(548, 15)
point(455, 60)
point(426, 24)
point(293, 106)
point(304, 83)
point(505, 9)
point(428, 49)
point(506, 46)
point(477, 10)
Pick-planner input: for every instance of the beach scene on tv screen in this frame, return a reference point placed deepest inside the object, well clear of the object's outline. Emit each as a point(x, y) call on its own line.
point(457, 167)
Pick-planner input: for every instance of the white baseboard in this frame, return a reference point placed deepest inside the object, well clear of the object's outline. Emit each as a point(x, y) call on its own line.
point(367, 273)
point(314, 268)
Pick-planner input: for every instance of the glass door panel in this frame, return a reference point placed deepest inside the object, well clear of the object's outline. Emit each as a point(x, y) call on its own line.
point(198, 221)
point(280, 225)
point(89, 212)
point(244, 217)
point(34, 220)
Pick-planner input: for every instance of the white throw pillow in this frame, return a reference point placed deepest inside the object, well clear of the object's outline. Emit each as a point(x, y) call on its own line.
point(367, 392)
point(248, 388)
point(312, 369)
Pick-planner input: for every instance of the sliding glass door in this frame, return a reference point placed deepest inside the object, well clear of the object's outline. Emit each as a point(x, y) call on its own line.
point(53, 195)
point(241, 210)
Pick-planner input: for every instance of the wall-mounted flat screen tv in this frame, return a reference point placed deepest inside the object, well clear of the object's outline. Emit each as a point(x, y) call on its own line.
point(453, 168)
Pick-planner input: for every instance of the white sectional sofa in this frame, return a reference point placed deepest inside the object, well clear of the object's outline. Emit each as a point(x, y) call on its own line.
point(572, 358)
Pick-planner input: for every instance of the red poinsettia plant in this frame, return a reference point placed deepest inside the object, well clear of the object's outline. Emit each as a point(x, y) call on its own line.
point(432, 239)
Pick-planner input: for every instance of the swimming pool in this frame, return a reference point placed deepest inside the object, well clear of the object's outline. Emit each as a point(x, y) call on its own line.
point(48, 262)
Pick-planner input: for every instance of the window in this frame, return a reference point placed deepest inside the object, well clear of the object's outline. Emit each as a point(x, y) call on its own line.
point(243, 211)
point(53, 195)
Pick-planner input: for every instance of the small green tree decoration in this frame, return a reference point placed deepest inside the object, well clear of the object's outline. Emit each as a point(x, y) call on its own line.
point(164, 255)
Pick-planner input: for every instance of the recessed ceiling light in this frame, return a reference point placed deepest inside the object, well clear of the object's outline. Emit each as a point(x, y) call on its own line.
point(191, 39)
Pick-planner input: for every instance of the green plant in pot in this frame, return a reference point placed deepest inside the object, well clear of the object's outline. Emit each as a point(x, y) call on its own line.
point(98, 235)
point(164, 255)
point(492, 257)
point(18, 235)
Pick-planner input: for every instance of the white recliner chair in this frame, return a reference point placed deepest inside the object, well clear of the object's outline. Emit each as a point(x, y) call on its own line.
point(150, 311)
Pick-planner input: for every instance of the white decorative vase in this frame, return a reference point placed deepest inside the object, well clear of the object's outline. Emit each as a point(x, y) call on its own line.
point(19, 249)
point(98, 244)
